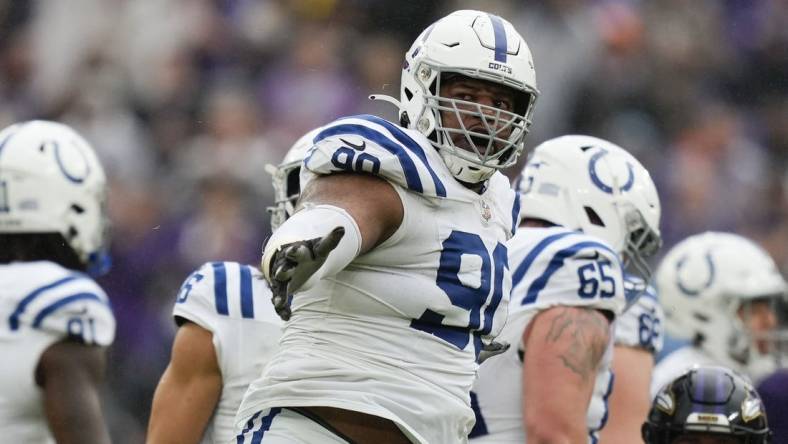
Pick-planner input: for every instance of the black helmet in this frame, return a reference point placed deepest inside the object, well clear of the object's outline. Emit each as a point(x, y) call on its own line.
point(707, 399)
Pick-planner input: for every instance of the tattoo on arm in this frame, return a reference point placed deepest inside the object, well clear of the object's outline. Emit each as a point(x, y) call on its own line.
point(585, 333)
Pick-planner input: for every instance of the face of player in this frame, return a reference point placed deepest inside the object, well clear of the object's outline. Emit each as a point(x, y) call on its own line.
point(480, 92)
point(705, 438)
point(759, 318)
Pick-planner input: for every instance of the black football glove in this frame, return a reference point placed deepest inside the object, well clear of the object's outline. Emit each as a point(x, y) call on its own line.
point(294, 263)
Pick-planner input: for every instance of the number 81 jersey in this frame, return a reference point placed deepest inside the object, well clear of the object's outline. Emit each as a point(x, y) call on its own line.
point(396, 334)
point(42, 303)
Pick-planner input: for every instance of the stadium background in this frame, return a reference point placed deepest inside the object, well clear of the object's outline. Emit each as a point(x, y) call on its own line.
point(187, 100)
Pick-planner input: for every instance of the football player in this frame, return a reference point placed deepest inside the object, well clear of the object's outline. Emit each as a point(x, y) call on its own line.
point(393, 270)
point(57, 322)
point(707, 405)
point(723, 293)
point(638, 339)
point(227, 331)
point(589, 209)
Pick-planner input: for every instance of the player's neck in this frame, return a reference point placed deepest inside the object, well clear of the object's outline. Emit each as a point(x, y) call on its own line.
point(478, 188)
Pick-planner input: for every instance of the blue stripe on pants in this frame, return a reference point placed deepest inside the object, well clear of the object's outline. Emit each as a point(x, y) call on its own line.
point(265, 424)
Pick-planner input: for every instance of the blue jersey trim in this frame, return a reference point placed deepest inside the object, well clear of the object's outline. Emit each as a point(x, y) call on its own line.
point(408, 167)
point(220, 287)
point(500, 38)
point(410, 144)
point(593, 432)
point(247, 304)
point(46, 311)
point(13, 320)
point(515, 211)
point(521, 269)
point(480, 427)
point(554, 265)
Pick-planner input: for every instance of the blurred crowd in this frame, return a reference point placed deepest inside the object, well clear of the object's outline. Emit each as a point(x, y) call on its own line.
point(186, 101)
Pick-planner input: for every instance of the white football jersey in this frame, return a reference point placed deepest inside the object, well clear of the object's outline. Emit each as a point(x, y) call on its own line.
point(233, 302)
point(397, 333)
point(640, 326)
point(550, 267)
point(42, 303)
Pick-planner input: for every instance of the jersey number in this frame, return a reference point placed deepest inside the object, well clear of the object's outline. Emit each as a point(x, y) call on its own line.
point(348, 159)
point(187, 287)
point(595, 280)
point(649, 330)
point(470, 296)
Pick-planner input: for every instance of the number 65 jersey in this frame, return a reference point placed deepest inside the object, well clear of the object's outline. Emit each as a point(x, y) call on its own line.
point(550, 267)
point(396, 334)
point(42, 303)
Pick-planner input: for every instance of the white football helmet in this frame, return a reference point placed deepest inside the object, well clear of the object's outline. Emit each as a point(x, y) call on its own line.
point(52, 182)
point(285, 179)
point(589, 184)
point(478, 45)
point(705, 283)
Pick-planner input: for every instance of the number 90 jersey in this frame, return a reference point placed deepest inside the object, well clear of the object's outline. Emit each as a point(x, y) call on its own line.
point(396, 334)
point(550, 267)
point(42, 303)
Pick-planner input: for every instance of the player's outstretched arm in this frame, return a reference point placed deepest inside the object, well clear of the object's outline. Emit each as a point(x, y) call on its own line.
point(563, 349)
point(339, 216)
point(70, 375)
point(629, 402)
point(188, 390)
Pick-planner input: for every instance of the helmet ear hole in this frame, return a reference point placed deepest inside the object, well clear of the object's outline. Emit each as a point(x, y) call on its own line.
point(408, 93)
point(293, 184)
point(404, 120)
point(593, 217)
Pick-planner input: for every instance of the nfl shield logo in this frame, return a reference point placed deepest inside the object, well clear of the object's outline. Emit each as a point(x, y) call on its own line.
point(486, 213)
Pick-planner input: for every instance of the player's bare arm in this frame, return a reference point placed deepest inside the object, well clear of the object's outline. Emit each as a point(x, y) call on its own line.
point(70, 375)
point(562, 344)
point(188, 391)
point(629, 402)
point(370, 200)
point(340, 216)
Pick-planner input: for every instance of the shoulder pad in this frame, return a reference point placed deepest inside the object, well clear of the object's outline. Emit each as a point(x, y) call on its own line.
point(565, 267)
point(220, 290)
point(71, 306)
point(641, 325)
point(371, 145)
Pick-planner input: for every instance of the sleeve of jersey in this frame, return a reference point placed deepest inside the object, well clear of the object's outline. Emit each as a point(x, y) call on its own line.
point(641, 325)
point(198, 301)
point(371, 145)
point(584, 273)
point(79, 310)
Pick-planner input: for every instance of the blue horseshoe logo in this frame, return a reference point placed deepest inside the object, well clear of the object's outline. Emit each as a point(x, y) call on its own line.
point(598, 182)
point(694, 292)
point(69, 176)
